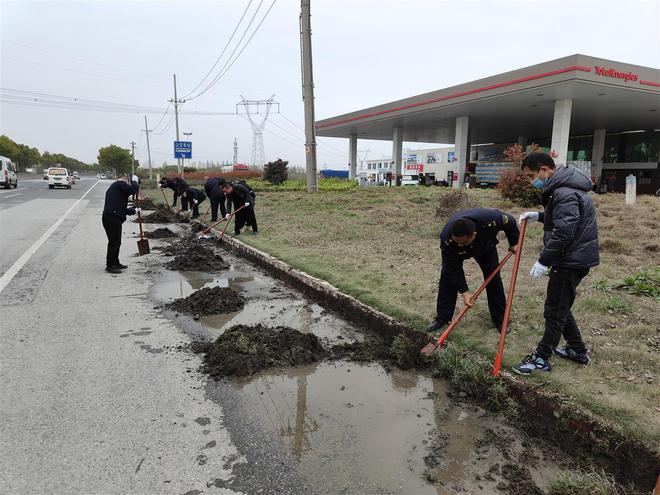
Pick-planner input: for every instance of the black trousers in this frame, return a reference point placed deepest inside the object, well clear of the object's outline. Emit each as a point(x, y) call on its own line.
point(557, 312)
point(112, 226)
point(195, 208)
point(245, 217)
point(447, 291)
point(215, 203)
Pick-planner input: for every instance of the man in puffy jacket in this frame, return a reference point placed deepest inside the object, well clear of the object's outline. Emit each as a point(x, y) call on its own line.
point(570, 249)
point(241, 196)
point(178, 186)
point(472, 234)
point(115, 210)
point(194, 197)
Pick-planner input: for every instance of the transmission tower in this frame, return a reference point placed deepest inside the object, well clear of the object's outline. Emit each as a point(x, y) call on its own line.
point(257, 112)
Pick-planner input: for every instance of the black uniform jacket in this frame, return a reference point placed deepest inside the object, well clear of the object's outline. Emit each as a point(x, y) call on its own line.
point(116, 199)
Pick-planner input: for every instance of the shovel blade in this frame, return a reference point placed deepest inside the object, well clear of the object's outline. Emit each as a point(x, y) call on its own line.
point(143, 247)
point(429, 348)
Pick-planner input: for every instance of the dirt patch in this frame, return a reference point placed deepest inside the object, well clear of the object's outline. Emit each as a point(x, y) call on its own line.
point(162, 215)
point(162, 233)
point(613, 246)
point(147, 203)
point(195, 257)
point(518, 481)
point(244, 350)
point(209, 301)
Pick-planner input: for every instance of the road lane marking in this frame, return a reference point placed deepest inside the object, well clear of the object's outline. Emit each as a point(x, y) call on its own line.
point(20, 262)
point(12, 195)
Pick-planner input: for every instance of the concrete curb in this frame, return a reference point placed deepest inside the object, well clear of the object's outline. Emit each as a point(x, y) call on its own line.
point(574, 428)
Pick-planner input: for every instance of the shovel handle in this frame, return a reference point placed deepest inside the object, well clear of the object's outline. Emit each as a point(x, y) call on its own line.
point(208, 229)
point(137, 205)
point(509, 300)
point(474, 298)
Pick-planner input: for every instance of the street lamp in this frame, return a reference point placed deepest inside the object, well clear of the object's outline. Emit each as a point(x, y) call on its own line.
point(188, 134)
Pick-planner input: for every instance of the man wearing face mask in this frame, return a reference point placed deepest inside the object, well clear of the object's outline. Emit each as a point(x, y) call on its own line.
point(570, 249)
point(472, 234)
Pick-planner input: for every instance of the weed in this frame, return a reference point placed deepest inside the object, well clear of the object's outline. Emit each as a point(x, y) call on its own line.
point(452, 202)
point(601, 285)
point(584, 483)
point(617, 305)
point(643, 284)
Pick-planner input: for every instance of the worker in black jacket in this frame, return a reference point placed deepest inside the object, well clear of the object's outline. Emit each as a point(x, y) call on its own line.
point(178, 186)
point(472, 234)
point(114, 214)
point(194, 197)
point(570, 250)
point(240, 195)
point(216, 195)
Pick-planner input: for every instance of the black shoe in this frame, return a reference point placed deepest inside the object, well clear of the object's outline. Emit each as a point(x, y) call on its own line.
point(120, 266)
point(569, 353)
point(435, 325)
point(112, 269)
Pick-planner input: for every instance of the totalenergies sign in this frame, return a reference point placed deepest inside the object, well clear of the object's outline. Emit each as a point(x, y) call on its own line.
point(627, 76)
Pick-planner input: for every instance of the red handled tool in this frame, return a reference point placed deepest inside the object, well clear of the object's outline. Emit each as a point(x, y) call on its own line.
point(509, 300)
point(431, 347)
point(167, 203)
point(143, 244)
point(208, 229)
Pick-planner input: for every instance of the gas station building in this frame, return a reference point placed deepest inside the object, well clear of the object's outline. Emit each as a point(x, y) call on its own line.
point(588, 110)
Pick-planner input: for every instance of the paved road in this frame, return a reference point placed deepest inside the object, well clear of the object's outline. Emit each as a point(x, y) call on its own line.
point(84, 408)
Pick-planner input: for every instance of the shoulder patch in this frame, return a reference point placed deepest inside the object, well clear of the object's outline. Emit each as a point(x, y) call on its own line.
point(505, 219)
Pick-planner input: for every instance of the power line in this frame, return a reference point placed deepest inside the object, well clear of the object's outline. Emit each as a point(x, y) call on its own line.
point(217, 60)
point(223, 71)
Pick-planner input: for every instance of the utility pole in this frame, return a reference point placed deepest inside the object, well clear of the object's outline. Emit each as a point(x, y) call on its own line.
point(308, 94)
point(132, 159)
point(235, 151)
point(147, 131)
point(179, 161)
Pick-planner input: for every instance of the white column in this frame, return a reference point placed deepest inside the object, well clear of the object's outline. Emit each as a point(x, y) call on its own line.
point(462, 148)
point(352, 154)
point(561, 127)
point(397, 150)
point(597, 152)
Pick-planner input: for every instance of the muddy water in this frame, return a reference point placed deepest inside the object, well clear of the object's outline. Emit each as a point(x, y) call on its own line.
point(339, 427)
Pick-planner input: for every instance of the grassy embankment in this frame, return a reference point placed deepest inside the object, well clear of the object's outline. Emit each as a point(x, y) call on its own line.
point(381, 246)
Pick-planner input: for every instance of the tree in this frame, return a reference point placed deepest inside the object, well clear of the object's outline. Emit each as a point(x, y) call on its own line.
point(276, 172)
point(114, 158)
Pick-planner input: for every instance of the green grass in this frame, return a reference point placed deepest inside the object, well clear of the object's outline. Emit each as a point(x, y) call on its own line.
point(579, 482)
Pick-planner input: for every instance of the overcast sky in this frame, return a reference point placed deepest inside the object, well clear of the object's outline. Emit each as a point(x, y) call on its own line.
point(366, 52)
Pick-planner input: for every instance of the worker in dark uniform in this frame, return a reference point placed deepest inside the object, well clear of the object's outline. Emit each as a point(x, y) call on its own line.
point(114, 214)
point(472, 234)
point(240, 195)
point(216, 195)
point(178, 186)
point(193, 197)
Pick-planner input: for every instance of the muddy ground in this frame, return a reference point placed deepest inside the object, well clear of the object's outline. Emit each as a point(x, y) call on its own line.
point(196, 257)
point(162, 215)
point(161, 233)
point(209, 301)
point(147, 203)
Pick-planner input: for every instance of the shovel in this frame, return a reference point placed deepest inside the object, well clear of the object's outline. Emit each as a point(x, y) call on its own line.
point(207, 230)
point(167, 203)
point(509, 300)
point(431, 347)
point(143, 244)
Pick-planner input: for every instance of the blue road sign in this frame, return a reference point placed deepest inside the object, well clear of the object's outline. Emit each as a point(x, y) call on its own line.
point(182, 149)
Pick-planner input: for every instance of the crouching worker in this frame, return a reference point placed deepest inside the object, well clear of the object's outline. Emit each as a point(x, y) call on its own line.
point(193, 197)
point(570, 249)
point(213, 187)
point(114, 214)
point(240, 195)
point(178, 186)
point(472, 234)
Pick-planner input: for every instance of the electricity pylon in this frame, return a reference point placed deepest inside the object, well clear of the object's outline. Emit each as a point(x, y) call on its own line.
point(257, 112)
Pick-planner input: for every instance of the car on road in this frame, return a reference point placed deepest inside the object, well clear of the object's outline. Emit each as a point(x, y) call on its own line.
point(103, 176)
point(7, 173)
point(58, 177)
point(76, 175)
point(72, 177)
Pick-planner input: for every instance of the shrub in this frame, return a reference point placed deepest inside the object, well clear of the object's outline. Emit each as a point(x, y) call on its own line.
point(276, 172)
point(514, 186)
point(452, 201)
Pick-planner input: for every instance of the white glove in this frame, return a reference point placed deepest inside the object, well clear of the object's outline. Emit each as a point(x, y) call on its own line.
point(247, 204)
point(528, 215)
point(538, 270)
point(159, 185)
point(138, 210)
point(194, 201)
point(227, 216)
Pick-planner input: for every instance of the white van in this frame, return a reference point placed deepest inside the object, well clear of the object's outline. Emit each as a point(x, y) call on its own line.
point(7, 173)
point(58, 177)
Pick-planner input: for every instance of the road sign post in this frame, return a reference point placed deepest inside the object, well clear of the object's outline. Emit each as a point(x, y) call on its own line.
point(183, 149)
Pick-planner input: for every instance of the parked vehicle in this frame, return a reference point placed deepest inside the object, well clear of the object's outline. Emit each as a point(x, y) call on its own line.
point(72, 177)
point(76, 175)
point(410, 180)
point(58, 177)
point(103, 176)
point(7, 173)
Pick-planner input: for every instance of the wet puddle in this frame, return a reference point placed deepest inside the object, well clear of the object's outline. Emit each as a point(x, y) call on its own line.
point(341, 427)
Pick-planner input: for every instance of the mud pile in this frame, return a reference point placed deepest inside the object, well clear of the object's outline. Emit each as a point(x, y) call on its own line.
point(147, 203)
point(209, 301)
point(162, 215)
point(244, 350)
point(194, 257)
point(162, 233)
